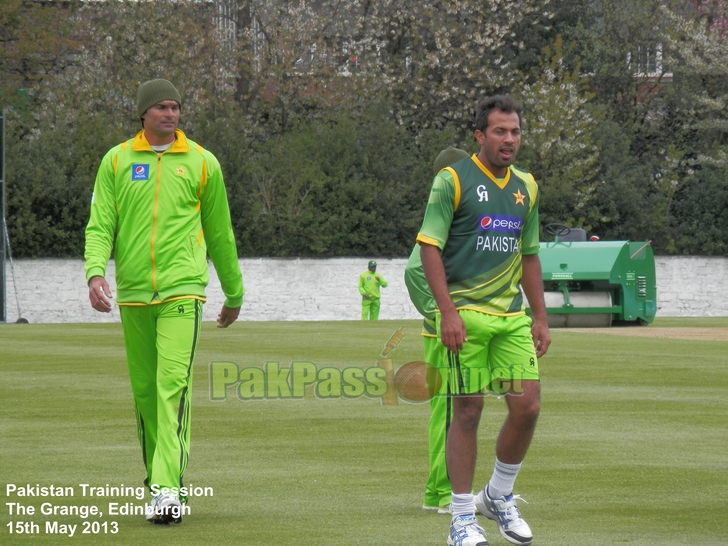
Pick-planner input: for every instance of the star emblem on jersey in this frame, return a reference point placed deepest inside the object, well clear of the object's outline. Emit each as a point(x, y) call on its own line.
point(519, 198)
point(180, 171)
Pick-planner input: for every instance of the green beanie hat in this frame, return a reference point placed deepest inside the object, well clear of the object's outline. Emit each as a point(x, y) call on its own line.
point(154, 91)
point(449, 156)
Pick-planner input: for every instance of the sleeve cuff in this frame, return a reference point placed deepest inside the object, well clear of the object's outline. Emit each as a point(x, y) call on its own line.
point(95, 272)
point(424, 239)
point(232, 303)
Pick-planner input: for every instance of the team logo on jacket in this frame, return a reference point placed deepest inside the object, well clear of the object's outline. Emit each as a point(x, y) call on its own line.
point(501, 223)
point(139, 171)
point(519, 198)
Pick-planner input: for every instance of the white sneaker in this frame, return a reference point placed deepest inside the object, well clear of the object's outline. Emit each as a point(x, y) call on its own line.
point(164, 509)
point(507, 515)
point(446, 509)
point(465, 531)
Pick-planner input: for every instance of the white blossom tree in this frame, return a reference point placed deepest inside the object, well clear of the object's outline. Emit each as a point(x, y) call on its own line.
point(560, 149)
point(432, 60)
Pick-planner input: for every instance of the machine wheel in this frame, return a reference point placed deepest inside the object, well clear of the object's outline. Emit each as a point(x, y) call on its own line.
point(557, 230)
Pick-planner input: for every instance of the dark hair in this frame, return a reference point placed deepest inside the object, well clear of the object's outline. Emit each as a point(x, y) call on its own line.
point(498, 102)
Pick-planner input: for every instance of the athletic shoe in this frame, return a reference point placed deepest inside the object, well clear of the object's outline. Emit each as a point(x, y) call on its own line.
point(164, 509)
point(428, 507)
point(465, 531)
point(444, 509)
point(507, 515)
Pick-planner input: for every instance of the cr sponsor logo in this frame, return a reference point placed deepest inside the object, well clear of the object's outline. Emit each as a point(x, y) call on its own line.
point(482, 193)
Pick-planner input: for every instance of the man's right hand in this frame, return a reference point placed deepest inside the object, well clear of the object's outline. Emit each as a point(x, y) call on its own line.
point(452, 331)
point(366, 296)
point(99, 294)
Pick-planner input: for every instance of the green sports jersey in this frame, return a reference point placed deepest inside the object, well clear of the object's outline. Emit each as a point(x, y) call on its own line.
point(483, 226)
point(420, 293)
point(417, 287)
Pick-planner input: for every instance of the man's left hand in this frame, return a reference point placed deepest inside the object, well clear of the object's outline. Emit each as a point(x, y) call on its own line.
point(227, 316)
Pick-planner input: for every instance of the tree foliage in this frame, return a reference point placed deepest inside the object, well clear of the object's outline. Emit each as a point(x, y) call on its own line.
point(326, 115)
point(438, 60)
point(37, 40)
point(560, 149)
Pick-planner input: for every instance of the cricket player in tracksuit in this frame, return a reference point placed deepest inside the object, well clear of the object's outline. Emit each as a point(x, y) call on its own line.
point(160, 202)
point(369, 283)
point(479, 247)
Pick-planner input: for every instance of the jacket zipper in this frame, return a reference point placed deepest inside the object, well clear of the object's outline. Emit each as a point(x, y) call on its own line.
point(154, 221)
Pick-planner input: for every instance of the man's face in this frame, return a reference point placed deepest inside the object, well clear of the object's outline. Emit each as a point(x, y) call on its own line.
point(162, 119)
point(373, 268)
point(500, 142)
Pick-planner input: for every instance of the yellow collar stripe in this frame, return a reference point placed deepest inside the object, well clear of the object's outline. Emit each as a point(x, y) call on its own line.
point(500, 183)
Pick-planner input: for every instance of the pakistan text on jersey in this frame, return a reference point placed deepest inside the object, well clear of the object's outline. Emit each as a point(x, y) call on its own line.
point(495, 243)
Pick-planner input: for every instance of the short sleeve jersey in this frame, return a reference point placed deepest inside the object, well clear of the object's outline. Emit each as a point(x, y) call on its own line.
point(420, 293)
point(417, 287)
point(483, 226)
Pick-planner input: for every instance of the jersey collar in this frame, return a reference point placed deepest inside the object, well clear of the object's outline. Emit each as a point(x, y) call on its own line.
point(500, 183)
point(180, 144)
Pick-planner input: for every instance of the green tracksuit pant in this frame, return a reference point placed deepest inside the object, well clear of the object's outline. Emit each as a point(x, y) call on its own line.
point(160, 343)
point(438, 489)
point(370, 308)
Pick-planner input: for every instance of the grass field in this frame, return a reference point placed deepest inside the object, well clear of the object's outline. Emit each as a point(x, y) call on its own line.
point(631, 447)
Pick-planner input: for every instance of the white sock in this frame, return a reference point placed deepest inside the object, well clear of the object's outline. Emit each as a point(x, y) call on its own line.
point(462, 504)
point(504, 476)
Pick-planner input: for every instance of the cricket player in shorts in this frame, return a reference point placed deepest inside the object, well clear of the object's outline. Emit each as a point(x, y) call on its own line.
point(479, 245)
point(437, 489)
point(159, 200)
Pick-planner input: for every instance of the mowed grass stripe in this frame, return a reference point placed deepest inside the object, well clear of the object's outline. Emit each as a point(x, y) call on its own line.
point(631, 447)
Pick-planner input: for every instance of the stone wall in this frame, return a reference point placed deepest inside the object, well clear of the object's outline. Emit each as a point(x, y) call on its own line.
point(691, 286)
point(324, 289)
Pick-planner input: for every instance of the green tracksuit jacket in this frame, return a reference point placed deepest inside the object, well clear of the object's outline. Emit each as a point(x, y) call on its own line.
point(163, 213)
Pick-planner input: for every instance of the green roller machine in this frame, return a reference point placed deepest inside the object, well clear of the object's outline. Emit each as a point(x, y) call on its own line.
point(597, 284)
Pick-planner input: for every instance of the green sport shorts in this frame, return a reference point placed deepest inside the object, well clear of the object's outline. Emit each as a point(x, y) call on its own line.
point(498, 356)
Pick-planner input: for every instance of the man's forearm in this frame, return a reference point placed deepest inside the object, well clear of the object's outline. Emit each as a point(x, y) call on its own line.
point(435, 274)
point(532, 284)
point(452, 329)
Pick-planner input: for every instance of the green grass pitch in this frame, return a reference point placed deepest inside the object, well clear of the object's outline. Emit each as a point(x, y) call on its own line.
point(631, 447)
